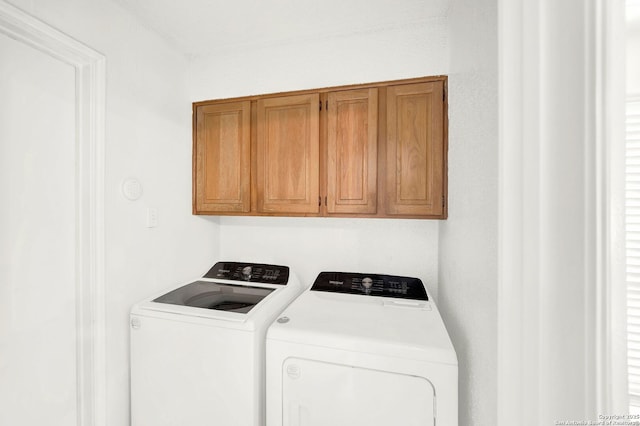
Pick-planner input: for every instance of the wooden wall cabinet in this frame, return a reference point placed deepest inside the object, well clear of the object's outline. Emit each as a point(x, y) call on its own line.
point(222, 158)
point(415, 150)
point(372, 150)
point(288, 154)
point(352, 151)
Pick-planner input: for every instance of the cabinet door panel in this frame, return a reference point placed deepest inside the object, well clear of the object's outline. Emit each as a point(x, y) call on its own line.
point(223, 162)
point(288, 154)
point(415, 149)
point(352, 142)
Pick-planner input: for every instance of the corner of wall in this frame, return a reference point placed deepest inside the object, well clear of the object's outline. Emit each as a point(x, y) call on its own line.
point(468, 248)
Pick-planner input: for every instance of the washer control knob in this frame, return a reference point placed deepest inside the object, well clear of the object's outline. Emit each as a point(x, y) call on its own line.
point(283, 320)
point(246, 273)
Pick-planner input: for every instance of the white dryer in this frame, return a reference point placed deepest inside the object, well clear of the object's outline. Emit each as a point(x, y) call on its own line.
point(361, 349)
point(197, 352)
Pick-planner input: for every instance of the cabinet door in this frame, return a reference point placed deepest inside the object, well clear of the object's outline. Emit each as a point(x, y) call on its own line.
point(415, 149)
point(222, 158)
point(288, 154)
point(352, 150)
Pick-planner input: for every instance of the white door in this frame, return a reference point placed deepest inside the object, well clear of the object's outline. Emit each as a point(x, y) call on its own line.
point(37, 238)
point(316, 393)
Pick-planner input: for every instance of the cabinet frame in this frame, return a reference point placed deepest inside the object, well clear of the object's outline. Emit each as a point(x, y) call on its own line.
point(410, 142)
point(232, 163)
point(301, 118)
point(352, 193)
point(323, 210)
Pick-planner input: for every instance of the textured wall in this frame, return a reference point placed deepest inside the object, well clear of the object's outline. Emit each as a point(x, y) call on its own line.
point(312, 245)
point(411, 50)
point(468, 239)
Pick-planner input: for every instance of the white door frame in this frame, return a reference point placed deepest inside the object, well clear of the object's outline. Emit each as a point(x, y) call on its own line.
point(524, 335)
point(90, 130)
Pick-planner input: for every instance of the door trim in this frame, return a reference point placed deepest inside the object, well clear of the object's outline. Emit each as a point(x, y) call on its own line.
point(526, 300)
point(90, 107)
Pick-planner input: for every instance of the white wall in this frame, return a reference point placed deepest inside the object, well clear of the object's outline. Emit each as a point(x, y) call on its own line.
point(148, 126)
point(468, 239)
point(311, 245)
point(387, 54)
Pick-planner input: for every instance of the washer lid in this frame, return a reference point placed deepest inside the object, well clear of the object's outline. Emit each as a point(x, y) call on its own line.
point(216, 296)
point(236, 294)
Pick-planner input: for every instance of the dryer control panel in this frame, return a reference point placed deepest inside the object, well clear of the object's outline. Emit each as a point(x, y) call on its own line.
point(249, 272)
point(371, 284)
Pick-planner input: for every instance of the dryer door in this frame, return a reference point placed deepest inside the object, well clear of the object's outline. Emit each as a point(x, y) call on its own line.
point(317, 393)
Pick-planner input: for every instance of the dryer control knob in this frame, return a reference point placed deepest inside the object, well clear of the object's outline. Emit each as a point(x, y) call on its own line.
point(367, 283)
point(283, 320)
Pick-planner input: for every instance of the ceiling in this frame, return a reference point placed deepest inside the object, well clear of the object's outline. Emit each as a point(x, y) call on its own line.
point(198, 27)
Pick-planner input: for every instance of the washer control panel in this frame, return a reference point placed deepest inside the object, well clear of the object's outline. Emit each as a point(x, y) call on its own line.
point(371, 285)
point(249, 272)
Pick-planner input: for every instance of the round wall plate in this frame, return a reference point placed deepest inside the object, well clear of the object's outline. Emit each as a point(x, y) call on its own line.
point(132, 189)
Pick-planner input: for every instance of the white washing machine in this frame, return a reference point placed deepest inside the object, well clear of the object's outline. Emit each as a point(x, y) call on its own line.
point(197, 352)
point(361, 349)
